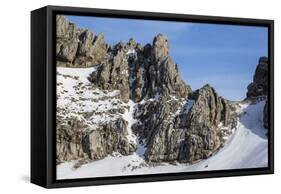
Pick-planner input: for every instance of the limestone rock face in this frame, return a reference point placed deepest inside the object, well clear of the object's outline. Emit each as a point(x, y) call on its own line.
point(67, 51)
point(85, 44)
point(259, 86)
point(62, 27)
point(100, 48)
point(100, 142)
point(160, 47)
point(69, 135)
point(67, 43)
point(76, 47)
point(210, 118)
point(92, 49)
point(164, 79)
point(113, 75)
point(185, 130)
point(75, 141)
point(140, 72)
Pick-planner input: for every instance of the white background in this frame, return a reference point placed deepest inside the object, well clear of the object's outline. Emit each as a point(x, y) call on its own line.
point(15, 95)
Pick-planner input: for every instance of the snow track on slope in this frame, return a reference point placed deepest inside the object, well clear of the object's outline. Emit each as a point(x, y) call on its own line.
point(129, 117)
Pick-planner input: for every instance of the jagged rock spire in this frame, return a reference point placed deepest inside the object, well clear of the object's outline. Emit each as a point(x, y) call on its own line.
point(160, 47)
point(259, 86)
point(150, 71)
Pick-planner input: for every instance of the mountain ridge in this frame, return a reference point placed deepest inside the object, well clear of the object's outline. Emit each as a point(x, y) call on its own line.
point(170, 122)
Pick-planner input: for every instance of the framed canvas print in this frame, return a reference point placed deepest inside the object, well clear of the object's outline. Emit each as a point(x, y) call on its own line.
point(126, 96)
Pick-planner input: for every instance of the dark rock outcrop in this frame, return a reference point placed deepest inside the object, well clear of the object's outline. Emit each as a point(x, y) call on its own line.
point(113, 74)
point(209, 120)
point(259, 86)
point(110, 138)
point(67, 43)
point(76, 140)
point(69, 133)
point(187, 133)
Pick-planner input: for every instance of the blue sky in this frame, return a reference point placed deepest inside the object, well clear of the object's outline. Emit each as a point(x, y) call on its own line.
point(225, 56)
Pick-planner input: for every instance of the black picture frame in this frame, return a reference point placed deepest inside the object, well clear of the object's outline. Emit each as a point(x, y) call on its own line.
point(43, 96)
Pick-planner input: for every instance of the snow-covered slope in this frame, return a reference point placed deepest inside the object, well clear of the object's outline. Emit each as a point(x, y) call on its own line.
point(76, 97)
point(247, 147)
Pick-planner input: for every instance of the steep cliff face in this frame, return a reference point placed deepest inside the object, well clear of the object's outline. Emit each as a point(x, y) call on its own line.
point(210, 120)
point(131, 96)
point(185, 130)
point(111, 137)
point(260, 86)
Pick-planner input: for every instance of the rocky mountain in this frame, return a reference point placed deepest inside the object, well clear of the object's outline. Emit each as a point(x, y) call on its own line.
point(129, 98)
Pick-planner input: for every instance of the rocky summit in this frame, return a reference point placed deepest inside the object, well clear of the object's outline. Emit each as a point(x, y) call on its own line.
point(129, 98)
point(140, 72)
